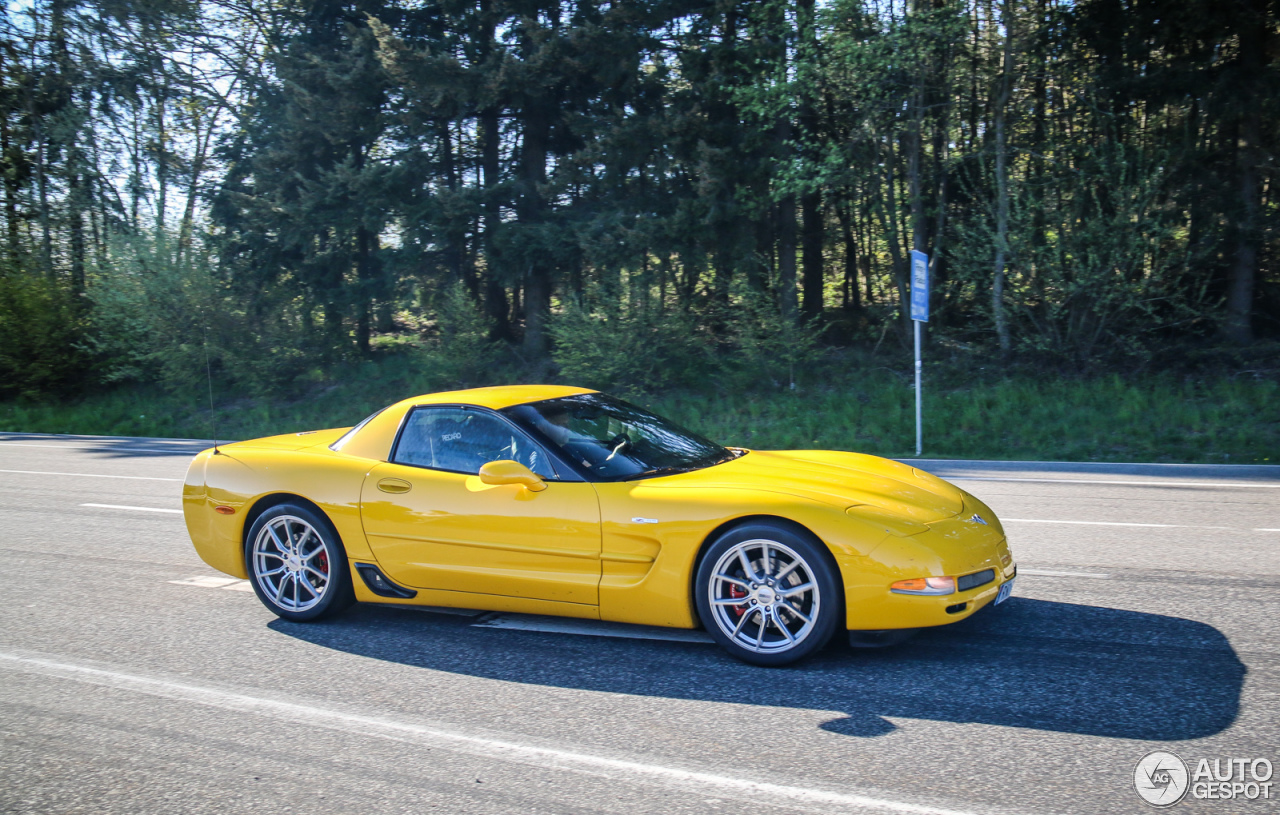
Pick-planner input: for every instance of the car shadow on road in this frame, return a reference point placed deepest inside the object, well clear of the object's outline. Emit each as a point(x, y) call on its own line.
point(111, 447)
point(1035, 664)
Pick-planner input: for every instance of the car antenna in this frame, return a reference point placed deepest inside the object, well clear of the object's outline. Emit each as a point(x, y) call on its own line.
point(208, 370)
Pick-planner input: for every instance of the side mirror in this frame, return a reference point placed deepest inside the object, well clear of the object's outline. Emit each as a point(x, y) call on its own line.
point(511, 472)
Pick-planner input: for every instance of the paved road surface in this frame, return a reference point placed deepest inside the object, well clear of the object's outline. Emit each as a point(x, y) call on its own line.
point(134, 680)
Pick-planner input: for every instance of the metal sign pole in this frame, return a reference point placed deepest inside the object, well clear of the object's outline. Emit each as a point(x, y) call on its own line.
point(919, 423)
point(919, 314)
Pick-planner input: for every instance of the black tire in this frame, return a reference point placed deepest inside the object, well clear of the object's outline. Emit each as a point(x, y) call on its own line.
point(790, 601)
point(297, 565)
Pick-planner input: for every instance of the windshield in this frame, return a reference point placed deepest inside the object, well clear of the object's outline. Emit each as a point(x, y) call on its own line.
point(615, 441)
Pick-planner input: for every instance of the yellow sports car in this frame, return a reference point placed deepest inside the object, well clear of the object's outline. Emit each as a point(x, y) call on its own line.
point(565, 501)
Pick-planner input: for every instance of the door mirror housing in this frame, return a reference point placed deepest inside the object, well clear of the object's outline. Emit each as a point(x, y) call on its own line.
point(511, 472)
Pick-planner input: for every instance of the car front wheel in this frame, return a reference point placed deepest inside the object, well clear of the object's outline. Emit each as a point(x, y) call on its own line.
point(768, 595)
point(296, 564)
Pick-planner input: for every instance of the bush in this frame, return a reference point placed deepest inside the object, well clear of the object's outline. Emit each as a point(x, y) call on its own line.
point(166, 318)
point(150, 316)
point(628, 349)
point(1098, 271)
point(460, 353)
point(42, 338)
point(765, 347)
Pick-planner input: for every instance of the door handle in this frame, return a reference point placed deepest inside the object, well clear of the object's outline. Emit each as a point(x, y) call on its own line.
point(394, 486)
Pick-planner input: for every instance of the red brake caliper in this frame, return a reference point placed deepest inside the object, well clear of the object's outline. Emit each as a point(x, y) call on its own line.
point(323, 560)
point(735, 593)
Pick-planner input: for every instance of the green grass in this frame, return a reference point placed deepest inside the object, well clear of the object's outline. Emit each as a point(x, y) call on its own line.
point(1106, 419)
point(848, 403)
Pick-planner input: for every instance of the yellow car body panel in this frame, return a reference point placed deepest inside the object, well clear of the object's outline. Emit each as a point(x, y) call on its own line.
point(625, 551)
point(451, 531)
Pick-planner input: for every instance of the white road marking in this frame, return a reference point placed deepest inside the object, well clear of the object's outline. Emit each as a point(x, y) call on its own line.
point(1266, 530)
point(98, 447)
point(138, 509)
point(1101, 523)
point(207, 582)
point(216, 581)
point(591, 628)
point(202, 581)
point(1115, 523)
point(501, 749)
point(94, 475)
point(1126, 483)
point(1047, 573)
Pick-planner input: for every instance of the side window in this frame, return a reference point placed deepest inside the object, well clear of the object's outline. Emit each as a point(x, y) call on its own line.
point(463, 441)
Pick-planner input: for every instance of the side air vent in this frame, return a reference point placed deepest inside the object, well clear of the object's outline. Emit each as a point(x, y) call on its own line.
point(973, 581)
point(380, 585)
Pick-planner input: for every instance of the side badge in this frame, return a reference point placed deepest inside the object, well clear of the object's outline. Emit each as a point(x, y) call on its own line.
point(644, 520)
point(977, 519)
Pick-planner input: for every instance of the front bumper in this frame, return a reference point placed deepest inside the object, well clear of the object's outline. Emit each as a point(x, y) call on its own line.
point(871, 606)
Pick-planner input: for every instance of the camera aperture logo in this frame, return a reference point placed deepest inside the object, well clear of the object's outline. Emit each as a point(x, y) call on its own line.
point(1161, 778)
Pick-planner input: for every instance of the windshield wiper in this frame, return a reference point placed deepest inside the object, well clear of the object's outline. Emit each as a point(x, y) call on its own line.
point(688, 468)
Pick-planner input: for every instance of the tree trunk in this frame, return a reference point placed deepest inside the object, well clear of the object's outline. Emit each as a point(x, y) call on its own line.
point(529, 209)
point(852, 293)
point(811, 247)
point(75, 215)
point(203, 140)
point(499, 308)
point(787, 295)
point(888, 212)
point(1002, 182)
point(942, 97)
point(364, 273)
point(915, 183)
point(455, 237)
point(811, 212)
point(1238, 326)
point(496, 304)
point(135, 177)
point(10, 192)
point(162, 163)
point(42, 185)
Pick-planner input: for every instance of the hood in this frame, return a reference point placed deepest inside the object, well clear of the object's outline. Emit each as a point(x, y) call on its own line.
point(840, 479)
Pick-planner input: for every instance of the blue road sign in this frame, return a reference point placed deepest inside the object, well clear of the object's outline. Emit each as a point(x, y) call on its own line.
point(919, 286)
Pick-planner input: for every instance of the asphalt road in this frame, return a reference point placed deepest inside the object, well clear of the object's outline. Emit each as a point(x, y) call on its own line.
point(1146, 616)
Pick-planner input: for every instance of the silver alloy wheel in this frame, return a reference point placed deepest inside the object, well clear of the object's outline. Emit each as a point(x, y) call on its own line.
point(291, 563)
point(764, 596)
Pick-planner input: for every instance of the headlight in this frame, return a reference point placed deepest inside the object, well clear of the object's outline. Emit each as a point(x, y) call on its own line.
point(925, 585)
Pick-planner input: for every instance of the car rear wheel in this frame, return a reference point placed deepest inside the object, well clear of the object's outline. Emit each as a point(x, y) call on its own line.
point(768, 595)
point(296, 564)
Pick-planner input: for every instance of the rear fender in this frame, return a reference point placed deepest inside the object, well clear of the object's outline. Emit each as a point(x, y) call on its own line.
point(248, 481)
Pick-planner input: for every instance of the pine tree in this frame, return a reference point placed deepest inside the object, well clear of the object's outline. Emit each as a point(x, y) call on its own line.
point(306, 197)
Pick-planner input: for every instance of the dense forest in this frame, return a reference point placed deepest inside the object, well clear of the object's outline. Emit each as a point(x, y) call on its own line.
point(626, 190)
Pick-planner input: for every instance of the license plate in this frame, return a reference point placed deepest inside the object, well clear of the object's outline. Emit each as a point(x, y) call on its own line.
point(1004, 593)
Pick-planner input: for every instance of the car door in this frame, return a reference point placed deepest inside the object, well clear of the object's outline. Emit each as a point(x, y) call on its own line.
point(432, 524)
